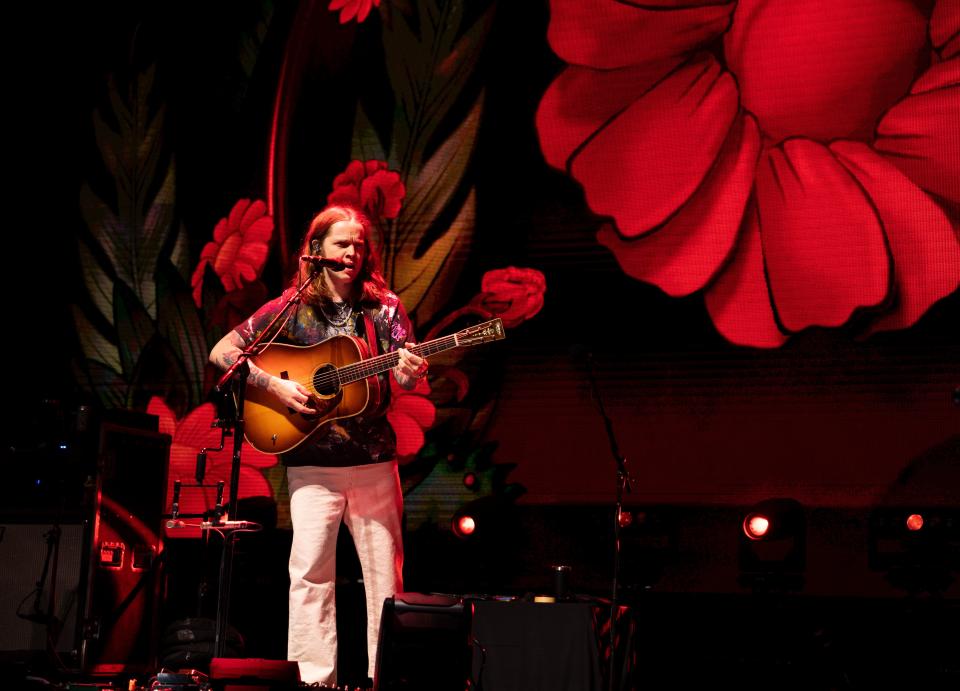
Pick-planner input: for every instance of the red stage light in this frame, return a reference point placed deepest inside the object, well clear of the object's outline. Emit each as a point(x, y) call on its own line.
point(464, 526)
point(756, 525)
point(914, 521)
point(470, 480)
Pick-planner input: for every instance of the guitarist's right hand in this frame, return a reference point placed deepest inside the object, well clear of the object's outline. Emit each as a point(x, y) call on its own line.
point(291, 394)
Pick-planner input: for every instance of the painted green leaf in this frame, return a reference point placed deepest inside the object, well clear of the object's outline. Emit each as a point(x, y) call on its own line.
point(95, 346)
point(427, 73)
point(179, 323)
point(366, 144)
point(133, 234)
point(98, 282)
point(102, 381)
point(134, 327)
point(425, 282)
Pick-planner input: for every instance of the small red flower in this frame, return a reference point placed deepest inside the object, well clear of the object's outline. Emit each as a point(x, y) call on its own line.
point(513, 294)
point(239, 247)
point(191, 434)
point(350, 9)
point(370, 187)
point(410, 414)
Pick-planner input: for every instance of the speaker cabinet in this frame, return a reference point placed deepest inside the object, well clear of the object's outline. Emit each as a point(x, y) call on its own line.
point(126, 551)
point(40, 567)
point(423, 644)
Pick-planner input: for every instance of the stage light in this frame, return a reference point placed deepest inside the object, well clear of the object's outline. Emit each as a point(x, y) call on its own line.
point(470, 480)
point(756, 525)
point(464, 526)
point(914, 521)
point(918, 548)
point(773, 545)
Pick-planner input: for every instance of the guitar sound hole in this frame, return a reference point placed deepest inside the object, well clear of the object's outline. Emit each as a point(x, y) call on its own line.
point(325, 380)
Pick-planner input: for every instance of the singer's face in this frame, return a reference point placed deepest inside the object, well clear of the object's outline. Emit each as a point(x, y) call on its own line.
point(344, 242)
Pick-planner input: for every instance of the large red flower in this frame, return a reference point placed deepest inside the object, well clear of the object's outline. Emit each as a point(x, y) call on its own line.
point(239, 247)
point(794, 158)
point(370, 187)
point(191, 434)
point(410, 413)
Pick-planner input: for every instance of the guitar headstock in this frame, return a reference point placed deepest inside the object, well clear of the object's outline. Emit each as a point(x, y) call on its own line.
point(481, 333)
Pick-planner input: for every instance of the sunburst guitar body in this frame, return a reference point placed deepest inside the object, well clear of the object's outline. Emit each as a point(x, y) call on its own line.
point(341, 379)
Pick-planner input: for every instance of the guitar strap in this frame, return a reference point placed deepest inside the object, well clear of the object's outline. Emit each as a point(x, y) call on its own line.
point(379, 398)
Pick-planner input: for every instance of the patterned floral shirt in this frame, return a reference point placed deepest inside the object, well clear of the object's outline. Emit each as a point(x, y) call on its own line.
point(357, 440)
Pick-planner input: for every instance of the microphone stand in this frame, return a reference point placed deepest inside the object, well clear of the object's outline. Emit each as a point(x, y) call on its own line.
point(624, 483)
point(234, 380)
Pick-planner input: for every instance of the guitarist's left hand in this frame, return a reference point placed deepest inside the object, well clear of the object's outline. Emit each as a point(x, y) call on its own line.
point(410, 368)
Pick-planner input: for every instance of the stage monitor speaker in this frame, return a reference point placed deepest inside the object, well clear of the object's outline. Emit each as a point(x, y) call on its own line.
point(424, 644)
point(126, 551)
point(40, 567)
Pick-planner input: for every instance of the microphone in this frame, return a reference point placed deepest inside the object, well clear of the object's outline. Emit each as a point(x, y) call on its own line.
point(319, 262)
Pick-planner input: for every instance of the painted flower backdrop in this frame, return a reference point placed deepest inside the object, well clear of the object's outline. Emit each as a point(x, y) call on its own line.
point(797, 160)
point(160, 314)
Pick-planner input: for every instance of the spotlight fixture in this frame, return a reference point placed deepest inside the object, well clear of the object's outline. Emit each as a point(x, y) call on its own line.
point(773, 545)
point(917, 547)
point(464, 525)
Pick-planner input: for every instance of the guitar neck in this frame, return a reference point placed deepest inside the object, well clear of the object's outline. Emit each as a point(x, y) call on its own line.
point(382, 363)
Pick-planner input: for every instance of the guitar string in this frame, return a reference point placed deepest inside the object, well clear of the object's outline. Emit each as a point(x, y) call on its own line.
point(363, 369)
point(366, 368)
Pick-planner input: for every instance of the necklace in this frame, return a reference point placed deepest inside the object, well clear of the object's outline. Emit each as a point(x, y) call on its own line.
point(342, 312)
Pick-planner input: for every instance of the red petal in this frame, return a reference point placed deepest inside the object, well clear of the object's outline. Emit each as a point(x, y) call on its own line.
point(920, 135)
point(349, 12)
point(409, 434)
point(952, 48)
point(235, 219)
point(683, 255)
point(255, 211)
point(364, 10)
point(924, 245)
point(940, 75)
point(220, 233)
point(824, 69)
point(417, 407)
point(739, 300)
point(945, 24)
point(346, 195)
point(196, 281)
point(643, 166)
point(581, 100)
point(614, 34)
point(196, 430)
point(823, 246)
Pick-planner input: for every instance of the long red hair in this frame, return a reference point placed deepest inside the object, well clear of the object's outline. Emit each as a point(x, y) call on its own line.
point(370, 284)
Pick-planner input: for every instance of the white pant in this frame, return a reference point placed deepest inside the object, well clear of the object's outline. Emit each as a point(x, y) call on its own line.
point(369, 501)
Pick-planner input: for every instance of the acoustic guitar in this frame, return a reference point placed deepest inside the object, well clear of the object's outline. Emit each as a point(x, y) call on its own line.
point(339, 376)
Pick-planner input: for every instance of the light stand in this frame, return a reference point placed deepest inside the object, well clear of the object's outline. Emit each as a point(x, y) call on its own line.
point(624, 483)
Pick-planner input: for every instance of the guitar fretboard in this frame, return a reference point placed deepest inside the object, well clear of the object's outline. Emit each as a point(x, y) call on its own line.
point(367, 368)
